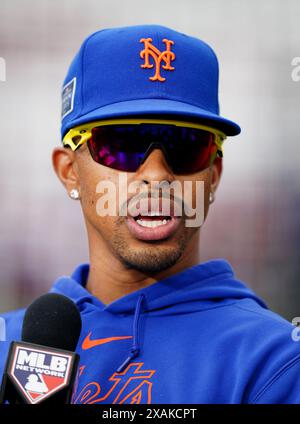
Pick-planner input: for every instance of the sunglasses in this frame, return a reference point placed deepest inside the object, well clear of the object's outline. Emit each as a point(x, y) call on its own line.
point(125, 144)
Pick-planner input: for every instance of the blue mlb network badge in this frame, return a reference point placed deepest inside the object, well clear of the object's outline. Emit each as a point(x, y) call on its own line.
point(68, 93)
point(38, 373)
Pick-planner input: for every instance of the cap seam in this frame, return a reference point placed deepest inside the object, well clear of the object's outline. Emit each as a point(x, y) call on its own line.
point(160, 91)
point(82, 73)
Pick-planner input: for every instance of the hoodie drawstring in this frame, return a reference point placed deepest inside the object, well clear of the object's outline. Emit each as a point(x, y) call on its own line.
point(134, 351)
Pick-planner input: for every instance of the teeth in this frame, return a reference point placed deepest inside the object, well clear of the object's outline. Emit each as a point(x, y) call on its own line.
point(153, 214)
point(151, 224)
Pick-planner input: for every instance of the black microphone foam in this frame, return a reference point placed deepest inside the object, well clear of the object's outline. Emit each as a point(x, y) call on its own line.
point(52, 320)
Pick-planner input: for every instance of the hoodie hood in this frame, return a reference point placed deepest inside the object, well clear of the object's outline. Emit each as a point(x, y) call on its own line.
point(202, 286)
point(193, 289)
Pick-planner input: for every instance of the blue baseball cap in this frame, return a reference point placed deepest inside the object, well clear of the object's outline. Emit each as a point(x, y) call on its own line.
point(143, 70)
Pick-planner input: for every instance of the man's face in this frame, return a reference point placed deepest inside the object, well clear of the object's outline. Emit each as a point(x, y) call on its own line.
point(135, 245)
point(138, 241)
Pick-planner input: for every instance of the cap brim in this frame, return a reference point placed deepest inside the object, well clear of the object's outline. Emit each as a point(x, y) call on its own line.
point(154, 107)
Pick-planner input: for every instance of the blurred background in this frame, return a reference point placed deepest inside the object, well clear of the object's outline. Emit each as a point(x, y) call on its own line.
point(254, 222)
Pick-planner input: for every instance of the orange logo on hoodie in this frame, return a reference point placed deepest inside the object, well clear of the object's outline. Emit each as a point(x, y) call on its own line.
point(131, 386)
point(88, 343)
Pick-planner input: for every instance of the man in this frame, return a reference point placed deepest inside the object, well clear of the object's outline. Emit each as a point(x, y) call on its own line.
point(140, 108)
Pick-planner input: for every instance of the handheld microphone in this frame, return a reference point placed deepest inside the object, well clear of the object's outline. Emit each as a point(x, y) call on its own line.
point(43, 366)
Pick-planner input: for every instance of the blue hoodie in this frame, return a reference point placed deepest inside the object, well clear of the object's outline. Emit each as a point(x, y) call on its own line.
point(200, 336)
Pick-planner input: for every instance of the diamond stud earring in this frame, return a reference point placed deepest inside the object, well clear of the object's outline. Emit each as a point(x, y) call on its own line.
point(74, 194)
point(211, 197)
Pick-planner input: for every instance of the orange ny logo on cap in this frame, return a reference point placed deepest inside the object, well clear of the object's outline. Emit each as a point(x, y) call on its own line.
point(150, 50)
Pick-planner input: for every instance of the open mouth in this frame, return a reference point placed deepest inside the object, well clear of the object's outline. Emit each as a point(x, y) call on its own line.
point(155, 221)
point(152, 220)
point(152, 226)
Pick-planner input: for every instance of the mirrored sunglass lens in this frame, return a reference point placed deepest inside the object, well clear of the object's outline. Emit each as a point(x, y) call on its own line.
point(116, 148)
point(123, 147)
point(192, 156)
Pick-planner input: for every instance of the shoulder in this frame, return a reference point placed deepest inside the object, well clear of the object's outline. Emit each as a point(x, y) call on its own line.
point(11, 324)
point(262, 328)
point(253, 310)
point(10, 329)
point(272, 348)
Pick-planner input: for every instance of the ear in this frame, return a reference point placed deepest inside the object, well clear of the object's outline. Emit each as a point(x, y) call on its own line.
point(216, 171)
point(64, 164)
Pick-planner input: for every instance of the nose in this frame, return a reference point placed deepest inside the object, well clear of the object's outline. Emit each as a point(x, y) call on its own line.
point(155, 168)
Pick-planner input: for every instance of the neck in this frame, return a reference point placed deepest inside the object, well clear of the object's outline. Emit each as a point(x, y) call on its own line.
point(109, 279)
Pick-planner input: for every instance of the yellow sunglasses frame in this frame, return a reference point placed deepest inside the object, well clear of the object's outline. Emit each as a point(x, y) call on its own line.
point(80, 134)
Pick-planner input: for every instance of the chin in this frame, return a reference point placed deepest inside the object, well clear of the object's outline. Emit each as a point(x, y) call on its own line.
point(152, 257)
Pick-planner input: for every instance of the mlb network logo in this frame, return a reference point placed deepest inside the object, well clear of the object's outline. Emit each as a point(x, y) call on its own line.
point(38, 373)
